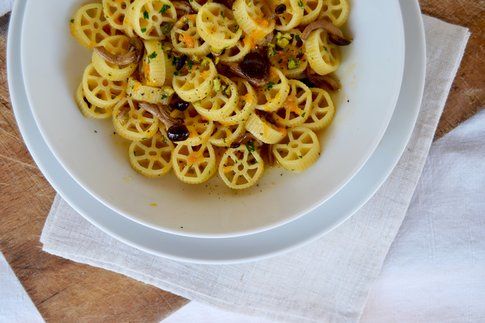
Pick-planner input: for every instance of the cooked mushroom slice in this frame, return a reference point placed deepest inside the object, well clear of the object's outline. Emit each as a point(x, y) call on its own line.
point(176, 131)
point(335, 35)
point(133, 55)
point(327, 82)
point(182, 7)
point(254, 67)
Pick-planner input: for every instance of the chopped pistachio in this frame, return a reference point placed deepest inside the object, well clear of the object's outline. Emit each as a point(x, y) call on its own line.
point(293, 63)
point(216, 85)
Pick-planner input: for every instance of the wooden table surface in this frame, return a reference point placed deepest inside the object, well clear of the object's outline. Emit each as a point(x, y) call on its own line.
point(63, 290)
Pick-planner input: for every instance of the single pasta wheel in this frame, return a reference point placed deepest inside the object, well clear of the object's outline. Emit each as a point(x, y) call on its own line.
point(221, 100)
point(100, 91)
point(274, 93)
point(194, 164)
point(197, 4)
point(245, 104)
point(337, 10)
point(312, 9)
point(322, 112)
point(153, 64)
point(186, 39)
point(194, 84)
point(225, 135)
point(89, 26)
point(115, 12)
point(323, 56)
point(152, 157)
point(297, 106)
point(264, 130)
point(292, 16)
point(237, 52)
point(200, 129)
point(217, 26)
point(155, 95)
point(241, 167)
point(291, 60)
point(255, 19)
point(132, 122)
point(152, 19)
point(299, 150)
point(116, 45)
point(90, 110)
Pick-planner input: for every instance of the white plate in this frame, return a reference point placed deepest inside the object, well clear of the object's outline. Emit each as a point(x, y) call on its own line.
point(52, 65)
point(232, 250)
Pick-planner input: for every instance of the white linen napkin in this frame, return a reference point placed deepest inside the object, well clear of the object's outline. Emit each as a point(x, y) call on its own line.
point(435, 269)
point(327, 280)
point(15, 304)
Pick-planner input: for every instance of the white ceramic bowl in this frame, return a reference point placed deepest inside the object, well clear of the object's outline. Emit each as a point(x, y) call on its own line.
point(52, 63)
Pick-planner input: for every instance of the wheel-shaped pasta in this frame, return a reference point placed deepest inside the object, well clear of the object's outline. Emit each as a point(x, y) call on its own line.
point(115, 12)
point(322, 112)
point(297, 106)
point(133, 122)
point(274, 93)
point(311, 10)
point(152, 157)
point(264, 130)
point(225, 135)
point(99, 91)
point(115, 45)
point(299, 150)
point(292, 15)
point(153, 64)
point(221, 100)
point(217, 26)
point(245, 104)
point(89, 26)
point(194, 84)
point(337, 10)
point(90, 110)
point(287, 54)
point(186, 39)
point(241, 167)
point(255, 19)
point(237, 52)
point(154, 95)
point(194, 164)
point(323, 56)
point(152, 19)
point(200, 129)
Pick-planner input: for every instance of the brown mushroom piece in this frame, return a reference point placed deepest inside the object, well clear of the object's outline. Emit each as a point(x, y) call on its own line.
point(133, 55)
point(335, 35)
point(227, 3)
point(176, 130)
point(182, 7)
point(254, 67)
point(327, 82)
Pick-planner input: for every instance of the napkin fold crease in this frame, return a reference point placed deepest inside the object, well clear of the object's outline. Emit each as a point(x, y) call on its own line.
point(327, 280)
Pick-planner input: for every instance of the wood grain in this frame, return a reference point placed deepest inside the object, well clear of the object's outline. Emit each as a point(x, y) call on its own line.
point(67, 291)
point(467, 95)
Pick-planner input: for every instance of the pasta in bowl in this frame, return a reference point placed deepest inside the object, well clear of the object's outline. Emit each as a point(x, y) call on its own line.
point(216, 87)
point(122, 130)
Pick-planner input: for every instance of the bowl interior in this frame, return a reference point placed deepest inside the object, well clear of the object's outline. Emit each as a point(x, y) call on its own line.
point(371, 74)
